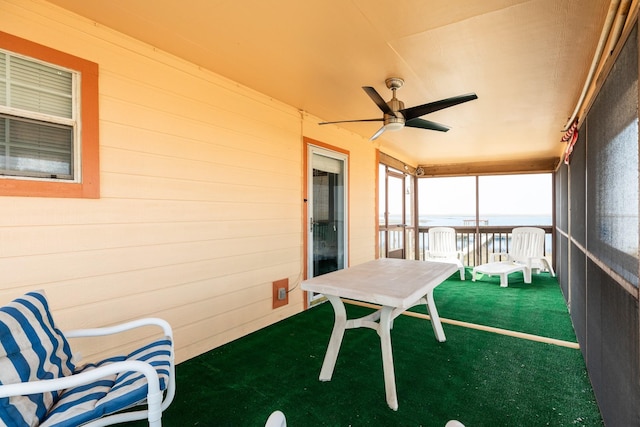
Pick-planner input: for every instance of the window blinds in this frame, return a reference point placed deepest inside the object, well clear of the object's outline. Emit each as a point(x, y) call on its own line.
point(37, 122)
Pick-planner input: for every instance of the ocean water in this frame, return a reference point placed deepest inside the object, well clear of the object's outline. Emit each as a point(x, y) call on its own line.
point(490, 220)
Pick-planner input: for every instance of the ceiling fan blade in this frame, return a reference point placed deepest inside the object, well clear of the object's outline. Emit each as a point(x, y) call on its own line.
point(378, 133)
point(352, 121)
point(426, 124)
point(381, 103)
point(421, 110)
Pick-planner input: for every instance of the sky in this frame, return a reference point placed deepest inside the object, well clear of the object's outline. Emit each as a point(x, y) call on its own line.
point(529, 194)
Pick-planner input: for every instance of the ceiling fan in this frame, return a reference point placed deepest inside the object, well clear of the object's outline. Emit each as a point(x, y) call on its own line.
point(396, 116)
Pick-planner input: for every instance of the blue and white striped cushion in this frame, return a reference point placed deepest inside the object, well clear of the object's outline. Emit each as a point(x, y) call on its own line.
point(31, 348)
point(82, 404)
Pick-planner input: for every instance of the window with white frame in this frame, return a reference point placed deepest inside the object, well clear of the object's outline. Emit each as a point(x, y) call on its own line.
point(39, 119)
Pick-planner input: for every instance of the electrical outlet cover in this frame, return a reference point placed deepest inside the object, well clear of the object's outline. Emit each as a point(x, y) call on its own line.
point(280, 293)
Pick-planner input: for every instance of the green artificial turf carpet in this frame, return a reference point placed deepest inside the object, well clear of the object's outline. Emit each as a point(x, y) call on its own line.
point(537, 308)
point(477, 377)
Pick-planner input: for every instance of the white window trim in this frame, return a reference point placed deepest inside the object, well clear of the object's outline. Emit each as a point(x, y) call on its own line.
point(75, 122)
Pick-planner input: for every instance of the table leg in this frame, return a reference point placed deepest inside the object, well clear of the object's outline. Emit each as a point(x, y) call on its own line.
point(336, 338)
point(435, 317)
point(386, 320)
point(504, 280)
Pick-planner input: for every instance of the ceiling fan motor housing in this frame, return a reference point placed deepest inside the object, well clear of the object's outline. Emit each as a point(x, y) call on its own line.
point(396, 122)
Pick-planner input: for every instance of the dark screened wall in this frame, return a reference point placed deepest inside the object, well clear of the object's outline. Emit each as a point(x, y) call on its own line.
point(597, 238)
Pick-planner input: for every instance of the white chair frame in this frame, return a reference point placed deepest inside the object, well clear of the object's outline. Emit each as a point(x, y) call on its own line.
point(442, 248)
point(527, 247)
point(155, 402)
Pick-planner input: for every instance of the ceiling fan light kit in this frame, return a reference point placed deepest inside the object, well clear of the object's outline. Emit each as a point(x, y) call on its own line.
point(395, 124)
point(396, 117)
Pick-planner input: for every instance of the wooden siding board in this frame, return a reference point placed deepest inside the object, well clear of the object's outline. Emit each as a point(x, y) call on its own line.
point(199, 170)
point(197, 280)
point(26, 241)
point(242, 135)
point(28, 212)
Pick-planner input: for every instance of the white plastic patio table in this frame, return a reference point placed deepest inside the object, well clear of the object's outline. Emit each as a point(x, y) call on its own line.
point(396, 285)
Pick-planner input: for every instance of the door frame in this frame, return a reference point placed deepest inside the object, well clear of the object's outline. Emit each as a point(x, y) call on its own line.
point(309, 145)
point(408, 230)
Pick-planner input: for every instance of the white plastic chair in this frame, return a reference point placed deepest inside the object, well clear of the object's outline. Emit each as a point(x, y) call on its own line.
point(48, 388)
point(527, 248)
point(276, 419)
point(443, 248)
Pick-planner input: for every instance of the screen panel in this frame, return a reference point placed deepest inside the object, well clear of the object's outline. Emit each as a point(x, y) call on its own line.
point(577, 184)
point(612, 162)
point(612, 353)
point(578, 300)
point(562, 264)
point(562, 206)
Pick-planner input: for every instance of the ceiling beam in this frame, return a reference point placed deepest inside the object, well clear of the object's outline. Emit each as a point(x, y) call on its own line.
point(492, 168)
point(388, 160)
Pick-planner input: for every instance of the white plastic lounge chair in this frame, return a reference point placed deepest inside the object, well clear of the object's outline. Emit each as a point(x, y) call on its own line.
point(443, 248)
point(527, 247)
point(526, 254)
point(40, 384)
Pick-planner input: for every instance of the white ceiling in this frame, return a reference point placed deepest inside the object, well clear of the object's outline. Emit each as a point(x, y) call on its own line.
point(527, 61)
